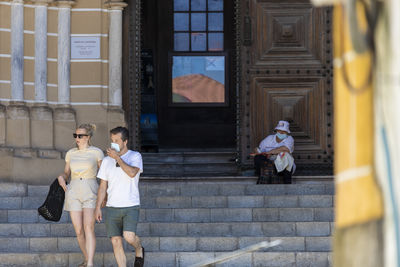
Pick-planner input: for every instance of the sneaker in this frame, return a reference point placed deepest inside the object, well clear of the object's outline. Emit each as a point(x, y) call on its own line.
point(139, 262)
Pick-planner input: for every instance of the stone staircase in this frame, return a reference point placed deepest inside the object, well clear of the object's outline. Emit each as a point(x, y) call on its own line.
point(182, 223)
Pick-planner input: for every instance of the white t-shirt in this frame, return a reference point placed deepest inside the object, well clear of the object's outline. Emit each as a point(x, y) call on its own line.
point(270, 143)
point(123, 191)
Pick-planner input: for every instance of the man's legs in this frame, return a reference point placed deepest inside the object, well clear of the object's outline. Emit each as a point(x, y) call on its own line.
point(258, 162)
point(119, 252)
point(134, 241)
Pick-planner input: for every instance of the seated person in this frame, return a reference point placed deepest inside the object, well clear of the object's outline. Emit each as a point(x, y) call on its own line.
point(277, 147)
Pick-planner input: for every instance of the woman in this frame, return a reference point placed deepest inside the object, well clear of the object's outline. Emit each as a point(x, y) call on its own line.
point(82, 164)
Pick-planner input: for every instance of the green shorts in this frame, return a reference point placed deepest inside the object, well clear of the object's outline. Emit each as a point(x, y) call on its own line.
point(119, 220)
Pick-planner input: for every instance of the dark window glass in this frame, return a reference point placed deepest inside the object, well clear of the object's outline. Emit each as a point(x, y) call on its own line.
point(181, 41)
point(198, 5)
point(215, 22)
point(181, 21)
point(198, 22)
point(199, 41)
point(181, 5)
point(215, 5)
point(215, 41)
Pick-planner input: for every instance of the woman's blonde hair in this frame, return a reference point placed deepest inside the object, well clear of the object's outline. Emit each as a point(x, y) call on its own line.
point(89, 128)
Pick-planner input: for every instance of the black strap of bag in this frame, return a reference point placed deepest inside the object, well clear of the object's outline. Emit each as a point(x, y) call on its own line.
point(52, 207)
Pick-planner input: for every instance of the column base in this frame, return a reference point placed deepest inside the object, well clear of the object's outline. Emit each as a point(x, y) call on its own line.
point(18, 128)
point(42, 126)
point(64, 126)
point(115, 118)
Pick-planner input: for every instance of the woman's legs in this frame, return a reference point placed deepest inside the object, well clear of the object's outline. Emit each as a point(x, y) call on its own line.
point(77, 222)
point(88, 224)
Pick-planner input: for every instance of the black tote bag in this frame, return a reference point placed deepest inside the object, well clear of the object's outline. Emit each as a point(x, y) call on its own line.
point(52, 208)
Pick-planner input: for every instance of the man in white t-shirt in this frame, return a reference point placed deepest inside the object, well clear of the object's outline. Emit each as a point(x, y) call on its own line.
point(274, 146)
point(119, 174)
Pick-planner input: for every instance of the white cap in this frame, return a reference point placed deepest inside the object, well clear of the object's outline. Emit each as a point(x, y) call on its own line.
point(283, 126)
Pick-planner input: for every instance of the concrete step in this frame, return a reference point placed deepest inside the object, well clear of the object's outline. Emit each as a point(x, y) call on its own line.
point(165, 229)
point(201, 215)
point(171, 259)
point(156, 189)
point(166, 244)
point(182, 202)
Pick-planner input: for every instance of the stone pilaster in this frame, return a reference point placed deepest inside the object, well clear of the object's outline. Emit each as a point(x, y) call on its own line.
point(42, 126)
point(2, 125)
point(17, 127)
point(115, 52)
point(41, 50)
point(17, 50)
point(64, 50)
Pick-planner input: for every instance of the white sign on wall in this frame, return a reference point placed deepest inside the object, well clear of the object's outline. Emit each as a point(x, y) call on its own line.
point(85, 47)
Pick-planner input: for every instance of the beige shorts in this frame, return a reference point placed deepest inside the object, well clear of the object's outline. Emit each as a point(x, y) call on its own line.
point(81, 194)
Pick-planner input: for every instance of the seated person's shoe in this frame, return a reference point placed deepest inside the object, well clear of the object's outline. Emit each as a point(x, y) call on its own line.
point(139, 262)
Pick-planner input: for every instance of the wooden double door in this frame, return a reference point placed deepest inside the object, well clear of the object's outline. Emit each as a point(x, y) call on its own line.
point(278, 66)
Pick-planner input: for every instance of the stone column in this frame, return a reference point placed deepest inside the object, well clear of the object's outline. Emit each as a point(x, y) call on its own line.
point(115, 52)
point(64, 115)
point(41, 114)
point(2, 125)
point(17, 50)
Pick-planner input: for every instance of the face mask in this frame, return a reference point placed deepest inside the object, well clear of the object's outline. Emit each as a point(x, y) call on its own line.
point(281, 136)
point(115, 146)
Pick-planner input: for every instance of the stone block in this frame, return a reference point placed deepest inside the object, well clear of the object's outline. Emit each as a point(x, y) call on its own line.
point(231, 215)
point(165, 190)
point(324, 214)
point(175, 244)
point(296, 214)
point(242, 261)
point(209, 202)
point(20, 260)
point(192, 215)
point(160, 259)
point(13, 190)
point(245, 201)
point(315, 201)
point(190, 258)
point(173, 202)
point(265, 214)
point(10, 202)
point(38, 190)
point(148, 202)
point(266, 189)
point(99, 259)
point(306, 189)
point(23, 216)
point(150, 243)
point(289, 244)
point(232, 190)
point(68, 244)
point(209, 229)
point(53, 260)
point(3, 216)
point(319, 244)
point(247, 229)
point(143, 229)
point(330, 189)
point(313, 229)
point(249, 241)
point(268, 259)
point(32, 202)
point(279, 229)
point(281, 201)
point(10, 230)
point(15, 244)
point(159, 215)
point(314, 259)
point(35, 230)
point(49, 154)
point(217, 244)
point(37, 244)
point(199, 190)
point(168, 229)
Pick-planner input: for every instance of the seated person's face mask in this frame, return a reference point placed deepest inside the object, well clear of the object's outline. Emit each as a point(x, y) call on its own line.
point(281, 136)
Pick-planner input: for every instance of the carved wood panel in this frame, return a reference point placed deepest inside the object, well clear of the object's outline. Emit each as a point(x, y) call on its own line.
point(286, 74)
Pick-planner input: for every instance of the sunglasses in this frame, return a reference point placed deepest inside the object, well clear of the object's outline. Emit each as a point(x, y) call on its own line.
point(79, 135)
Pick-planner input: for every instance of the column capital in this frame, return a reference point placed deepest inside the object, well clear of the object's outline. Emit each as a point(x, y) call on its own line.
point(115, 5)
point(64, 3)
point(42, 2)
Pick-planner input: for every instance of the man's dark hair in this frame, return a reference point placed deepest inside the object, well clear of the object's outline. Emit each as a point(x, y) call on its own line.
point(122, 130)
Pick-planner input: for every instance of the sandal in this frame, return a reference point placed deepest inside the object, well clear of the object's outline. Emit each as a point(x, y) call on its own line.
point(139, 262)
point(83, 264)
